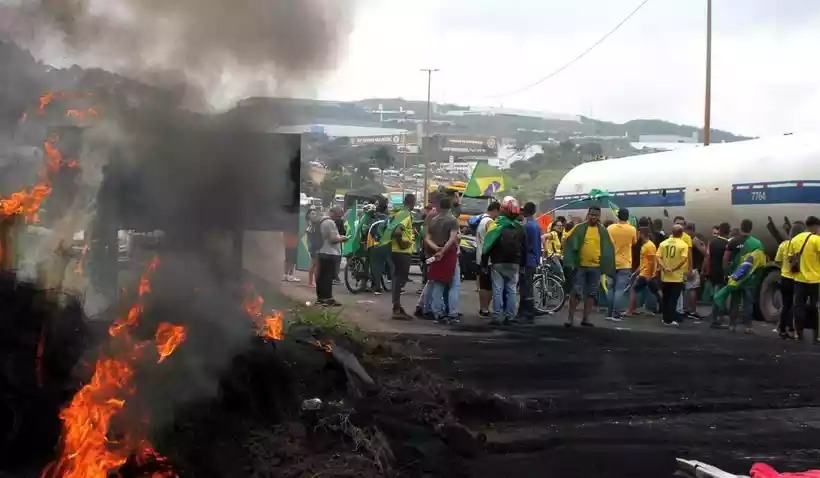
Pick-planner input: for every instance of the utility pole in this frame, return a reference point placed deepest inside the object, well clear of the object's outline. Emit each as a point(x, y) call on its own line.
point(430, 72)
point(707, 111)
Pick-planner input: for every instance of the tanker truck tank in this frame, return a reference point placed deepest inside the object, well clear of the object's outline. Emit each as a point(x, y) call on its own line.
point(774, 177)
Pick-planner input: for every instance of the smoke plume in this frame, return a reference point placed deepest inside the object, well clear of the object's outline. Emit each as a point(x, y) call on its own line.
point(226, 48)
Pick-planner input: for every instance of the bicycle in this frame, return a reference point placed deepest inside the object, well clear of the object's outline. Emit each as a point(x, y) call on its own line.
point(357, 275)
point(548, 290)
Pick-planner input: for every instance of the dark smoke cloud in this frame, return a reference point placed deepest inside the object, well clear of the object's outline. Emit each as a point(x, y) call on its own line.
point(258, 44)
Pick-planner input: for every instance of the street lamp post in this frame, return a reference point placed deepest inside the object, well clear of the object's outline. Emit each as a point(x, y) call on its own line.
point(707, 110)
point(430, 72)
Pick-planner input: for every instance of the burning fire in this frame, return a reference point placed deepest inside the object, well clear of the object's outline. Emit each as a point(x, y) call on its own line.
point(269, 326)
point(87, 451)
point(82, 114)
point(168, 338)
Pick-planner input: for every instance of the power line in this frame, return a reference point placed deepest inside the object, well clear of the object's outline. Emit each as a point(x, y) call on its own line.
point(574, 60)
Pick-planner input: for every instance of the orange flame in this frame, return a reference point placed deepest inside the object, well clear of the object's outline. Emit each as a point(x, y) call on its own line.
point(168, 338)
point(268, 326)
point(326, 346)
point(271, 327)
point(85, 448)
point(82, 114)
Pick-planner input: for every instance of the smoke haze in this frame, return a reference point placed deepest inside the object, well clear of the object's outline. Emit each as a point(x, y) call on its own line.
point(263, 46)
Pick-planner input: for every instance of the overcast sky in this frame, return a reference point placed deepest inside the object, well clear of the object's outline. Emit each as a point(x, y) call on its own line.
point(766, 58)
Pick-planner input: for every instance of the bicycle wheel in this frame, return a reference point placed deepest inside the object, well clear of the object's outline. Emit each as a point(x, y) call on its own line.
point(356, 274)
point(387, 277)
point(548, 295)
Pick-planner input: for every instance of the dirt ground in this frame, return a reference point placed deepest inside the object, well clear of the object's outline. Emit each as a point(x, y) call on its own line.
point(620, 400)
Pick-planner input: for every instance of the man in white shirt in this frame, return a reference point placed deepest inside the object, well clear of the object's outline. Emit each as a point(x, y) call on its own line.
point(485, 285)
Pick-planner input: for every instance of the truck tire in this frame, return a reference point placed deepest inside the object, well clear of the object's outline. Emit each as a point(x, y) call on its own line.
point(769, 301)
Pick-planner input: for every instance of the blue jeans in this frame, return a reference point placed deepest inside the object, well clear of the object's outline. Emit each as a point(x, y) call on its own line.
point(586, 282)
point(436, 296)
point(503, 295)
point(615, 294)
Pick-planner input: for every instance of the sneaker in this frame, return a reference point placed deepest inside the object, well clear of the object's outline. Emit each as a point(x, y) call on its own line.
point(441, 320)
point(454, 320)
point(586, 323)
point(377, 292)
point(294, 279)
point(484, 314)
point(671, 324)
point(614, 318)
point(332, 303)
point(285, 278)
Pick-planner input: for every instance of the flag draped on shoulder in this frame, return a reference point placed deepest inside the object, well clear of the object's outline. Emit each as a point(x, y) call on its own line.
point(572, 248)
point(352, 226)
point(745, 270)
point(403, 218)
point(494, 230)
point(488, 181)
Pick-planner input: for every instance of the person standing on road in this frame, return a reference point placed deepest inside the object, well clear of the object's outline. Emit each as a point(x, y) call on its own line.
point(314, 241)
point(505, 247)
point(646, 269)
point(485, 285)
point(342, 229)
point(329, 255)
point(806, 270)
point(682, 305)
point(400, 235)
point(785, 326)
point(714, 269)
point(443, 272)
point(378, 254)
point(588, 253)
point(673, 263)
point(532, 258)
point(742, 286)
point(624, 236)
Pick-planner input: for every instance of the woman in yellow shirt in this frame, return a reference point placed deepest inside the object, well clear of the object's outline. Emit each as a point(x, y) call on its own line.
point(551, 242)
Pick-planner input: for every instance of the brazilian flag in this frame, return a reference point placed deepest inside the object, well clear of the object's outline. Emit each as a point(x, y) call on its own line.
point(351, 246)
point(488, 181)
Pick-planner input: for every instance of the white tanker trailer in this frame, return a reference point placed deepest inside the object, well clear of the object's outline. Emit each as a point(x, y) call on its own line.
point(759, 179)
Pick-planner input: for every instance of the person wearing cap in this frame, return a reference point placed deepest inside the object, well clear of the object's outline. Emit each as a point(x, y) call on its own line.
point(588, 253)
point(502, 255)
point(624, 236)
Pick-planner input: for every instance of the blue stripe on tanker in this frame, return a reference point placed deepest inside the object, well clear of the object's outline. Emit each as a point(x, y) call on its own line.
point(773, 192)
point(776, 192)
point(671, 197)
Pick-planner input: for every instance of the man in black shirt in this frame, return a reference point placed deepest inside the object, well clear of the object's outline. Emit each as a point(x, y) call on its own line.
point(714, 267)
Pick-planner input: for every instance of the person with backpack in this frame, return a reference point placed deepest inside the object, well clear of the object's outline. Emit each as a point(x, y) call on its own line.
point(505, 247)
point(805, 265)
point(485, 286)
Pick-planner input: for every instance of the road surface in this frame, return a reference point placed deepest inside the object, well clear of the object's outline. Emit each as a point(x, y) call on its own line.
point(620, 400)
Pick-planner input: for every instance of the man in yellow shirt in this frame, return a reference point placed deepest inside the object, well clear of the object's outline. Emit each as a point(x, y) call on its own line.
point(402, 239)
point(687, 304)
point(784, 253)
point(588, 253)
point(807, 279)
point(624, 236)
point(647, 268)
point(673, 262)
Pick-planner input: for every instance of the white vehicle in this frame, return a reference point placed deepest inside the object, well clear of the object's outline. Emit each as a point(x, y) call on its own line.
point(777, 177)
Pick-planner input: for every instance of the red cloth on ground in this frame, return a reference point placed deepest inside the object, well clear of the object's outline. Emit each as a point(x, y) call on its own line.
point(443, 269)
point(762, 470)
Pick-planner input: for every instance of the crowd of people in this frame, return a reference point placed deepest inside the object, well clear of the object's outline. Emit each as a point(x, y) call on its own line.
point(664, 270)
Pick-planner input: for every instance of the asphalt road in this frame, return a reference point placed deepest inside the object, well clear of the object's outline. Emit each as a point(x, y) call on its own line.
point(619, 400)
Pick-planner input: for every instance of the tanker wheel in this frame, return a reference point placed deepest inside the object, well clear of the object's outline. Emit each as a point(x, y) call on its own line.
point(769, 300)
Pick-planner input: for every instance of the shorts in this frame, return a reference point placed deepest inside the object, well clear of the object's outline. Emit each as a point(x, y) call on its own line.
point(290, 255)
point(587, 281)
point(692, 282)
point(642, 283)
point(485, 282)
